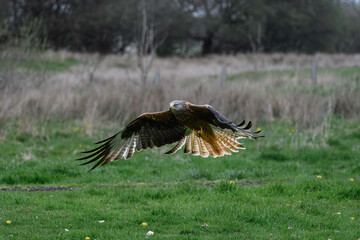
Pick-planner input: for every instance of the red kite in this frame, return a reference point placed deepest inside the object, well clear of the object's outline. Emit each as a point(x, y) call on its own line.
point(200, 128)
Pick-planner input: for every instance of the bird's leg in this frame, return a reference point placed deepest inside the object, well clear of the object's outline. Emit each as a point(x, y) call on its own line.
point(200, 131)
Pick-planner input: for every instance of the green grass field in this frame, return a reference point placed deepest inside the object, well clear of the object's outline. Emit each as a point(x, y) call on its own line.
point(296, 183)
point(289, 185)
point(39, 65)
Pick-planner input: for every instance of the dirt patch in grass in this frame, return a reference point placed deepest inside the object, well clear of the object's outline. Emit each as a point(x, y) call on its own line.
point(52, 188)
point(37, 189)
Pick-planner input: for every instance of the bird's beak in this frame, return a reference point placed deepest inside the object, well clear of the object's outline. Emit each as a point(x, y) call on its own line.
point(172, 107)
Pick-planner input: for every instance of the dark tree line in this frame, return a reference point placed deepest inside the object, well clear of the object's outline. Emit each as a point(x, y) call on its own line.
point(186, 26)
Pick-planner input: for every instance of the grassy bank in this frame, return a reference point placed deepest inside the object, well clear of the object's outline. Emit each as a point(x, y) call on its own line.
point(288, 185)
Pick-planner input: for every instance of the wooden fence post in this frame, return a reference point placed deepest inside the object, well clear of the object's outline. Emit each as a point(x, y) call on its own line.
point(313, 72)
point(223, 75)
point(157, 76)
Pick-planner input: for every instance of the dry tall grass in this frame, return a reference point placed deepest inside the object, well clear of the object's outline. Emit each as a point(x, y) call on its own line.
point(113, 94)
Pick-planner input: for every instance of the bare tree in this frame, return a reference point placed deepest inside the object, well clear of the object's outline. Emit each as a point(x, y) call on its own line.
point(256, 41)
point(146, 44)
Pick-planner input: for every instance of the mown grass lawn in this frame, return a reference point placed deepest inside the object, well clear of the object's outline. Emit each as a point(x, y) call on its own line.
point(289, 185)
point(340, 72)
point(39, 65)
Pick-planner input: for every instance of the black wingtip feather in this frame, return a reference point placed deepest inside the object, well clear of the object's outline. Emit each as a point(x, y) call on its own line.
point(93, 150)
point(257, 137)
point(100, 151)
point(248, 126)
point(97, 164)
point(240, 124)
point(107, 139)
point(100, 156)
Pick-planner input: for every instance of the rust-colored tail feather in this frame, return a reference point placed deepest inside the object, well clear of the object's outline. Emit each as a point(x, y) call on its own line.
point(223, 147)
point(230, 139)
point(194, 145)
point(203, 150)
point(177, 147)
point(211, 149)
point(218, 144)
point(187, 148)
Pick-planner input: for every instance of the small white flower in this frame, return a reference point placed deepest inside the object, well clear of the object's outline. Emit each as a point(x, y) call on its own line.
point(101, 221)
point(66, 230)
point(149, 233)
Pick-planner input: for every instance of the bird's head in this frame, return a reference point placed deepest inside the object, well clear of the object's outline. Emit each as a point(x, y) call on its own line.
point(177, 105)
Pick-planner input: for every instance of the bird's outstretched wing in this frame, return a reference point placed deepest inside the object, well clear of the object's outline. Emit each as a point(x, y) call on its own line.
point(211, 135)
point(146, 131)
point(216, 119)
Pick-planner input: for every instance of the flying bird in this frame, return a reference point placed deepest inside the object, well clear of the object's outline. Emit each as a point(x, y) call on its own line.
point(202, 129)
